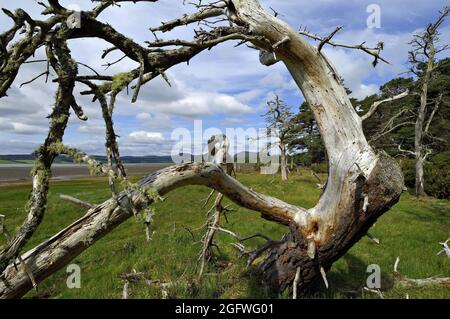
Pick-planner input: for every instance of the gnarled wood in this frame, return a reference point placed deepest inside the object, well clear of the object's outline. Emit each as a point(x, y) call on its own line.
point(329, 229)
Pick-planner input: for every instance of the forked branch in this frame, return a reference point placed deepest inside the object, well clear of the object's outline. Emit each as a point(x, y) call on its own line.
point(375, 105)
point(375, 52)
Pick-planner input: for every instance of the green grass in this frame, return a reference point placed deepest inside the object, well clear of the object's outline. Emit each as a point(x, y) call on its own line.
point(411, 230)
point(24, 161)
point(3, 161)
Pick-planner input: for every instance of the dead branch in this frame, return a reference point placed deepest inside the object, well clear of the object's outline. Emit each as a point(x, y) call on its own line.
point(373, 237)
point(375, 291)
point(375, 52)
point(437, 103)
point(324, 276)
point(328, 38)
point(34, 79)
point(196, 17)
point(445, 249)
point(5, 233)
point(252, 255)
point(66, 68)
point(320, 185)
point(375, 105)
point(148, 220)
point(76, 201)
point(208, 198)
point(295, 284)
point(104, 4)
point(425, 282)
point(218, 148)
point(406, 151)
point(208, 238)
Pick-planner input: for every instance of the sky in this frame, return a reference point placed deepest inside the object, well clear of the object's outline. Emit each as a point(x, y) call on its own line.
point(225, 88)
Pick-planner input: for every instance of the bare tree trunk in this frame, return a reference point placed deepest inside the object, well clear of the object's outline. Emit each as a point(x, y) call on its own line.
point(356, 173)
point(284, 170)
point(418, 141)
point(419, 126)
point(419, 178)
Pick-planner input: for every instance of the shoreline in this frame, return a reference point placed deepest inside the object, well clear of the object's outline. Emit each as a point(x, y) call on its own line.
point(17, 174)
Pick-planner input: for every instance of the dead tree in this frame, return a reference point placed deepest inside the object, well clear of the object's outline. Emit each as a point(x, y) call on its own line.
point(218, 153)
point(278, 120)
point(361, 185)
point(423, 60)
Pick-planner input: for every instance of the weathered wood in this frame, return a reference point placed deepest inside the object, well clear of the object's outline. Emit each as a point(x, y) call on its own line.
point(76, 201)
point(330, 228)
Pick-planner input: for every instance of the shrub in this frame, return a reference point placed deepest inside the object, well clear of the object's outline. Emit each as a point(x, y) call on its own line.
point(303, 159)
point(437, 176)
point(408, 167)
point(320, 168)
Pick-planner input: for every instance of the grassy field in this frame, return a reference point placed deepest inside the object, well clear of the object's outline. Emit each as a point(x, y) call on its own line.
point(3, 161)
point(411, 230)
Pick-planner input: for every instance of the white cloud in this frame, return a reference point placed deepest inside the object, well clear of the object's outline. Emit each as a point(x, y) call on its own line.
point(157, 99)
point(91, 129)
point(250, 95)
point(365, 90)
point(180, 100)
point(198, 104)
point(21, 128)
point(226, 81)
point(232, 121)
point(145, 137)
point(143, 116)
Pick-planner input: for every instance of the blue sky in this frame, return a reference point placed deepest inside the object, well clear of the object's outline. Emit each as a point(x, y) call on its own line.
point(226, 87)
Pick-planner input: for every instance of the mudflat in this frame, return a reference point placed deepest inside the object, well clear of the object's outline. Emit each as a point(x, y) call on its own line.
point(16, 173)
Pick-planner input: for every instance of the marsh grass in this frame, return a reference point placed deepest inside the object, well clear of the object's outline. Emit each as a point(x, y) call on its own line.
point(411, 230)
